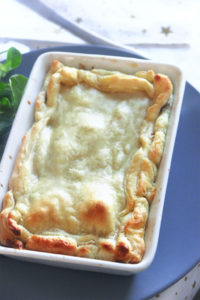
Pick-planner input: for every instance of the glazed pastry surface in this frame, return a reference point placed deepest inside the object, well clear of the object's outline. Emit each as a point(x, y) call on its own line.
point(86, 171)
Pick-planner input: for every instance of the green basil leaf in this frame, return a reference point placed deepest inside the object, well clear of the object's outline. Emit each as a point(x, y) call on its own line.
point(4, 132)
point(10, 94)
point(5, 121)
point(2, 85)
point(17, 86)
point(5, 91)
point(13, 60)
point(5, 104)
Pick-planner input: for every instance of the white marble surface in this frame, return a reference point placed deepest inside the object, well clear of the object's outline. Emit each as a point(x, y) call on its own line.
point(167, 31)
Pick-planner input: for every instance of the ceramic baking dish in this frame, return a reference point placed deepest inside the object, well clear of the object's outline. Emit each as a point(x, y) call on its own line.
point(24, 120)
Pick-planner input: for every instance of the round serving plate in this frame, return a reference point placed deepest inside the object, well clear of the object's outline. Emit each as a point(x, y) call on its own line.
point(179, 243)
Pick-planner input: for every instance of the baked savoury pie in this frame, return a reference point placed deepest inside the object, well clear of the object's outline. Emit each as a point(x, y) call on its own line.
point(85, 174)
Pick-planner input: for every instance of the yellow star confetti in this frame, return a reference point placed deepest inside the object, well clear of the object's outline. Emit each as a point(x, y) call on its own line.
point(78, 20)
point(166, 30)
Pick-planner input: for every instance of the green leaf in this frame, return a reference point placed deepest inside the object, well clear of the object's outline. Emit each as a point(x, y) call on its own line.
point(5, 125)
point(2, 85)
point(5, 91)
point(10, 94)
point(4, 132)
point(13, 60)
point(17, 86)
point(4, 104)
point(5, 121)
point(5, 96)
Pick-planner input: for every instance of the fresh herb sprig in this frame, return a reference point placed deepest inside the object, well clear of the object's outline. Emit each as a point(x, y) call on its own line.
point(11, 91)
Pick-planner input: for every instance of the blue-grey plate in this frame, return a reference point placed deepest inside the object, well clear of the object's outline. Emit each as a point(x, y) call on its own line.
point(179, 244)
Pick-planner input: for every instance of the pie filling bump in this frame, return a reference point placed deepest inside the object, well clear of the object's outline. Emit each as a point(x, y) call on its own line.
point(85, 174)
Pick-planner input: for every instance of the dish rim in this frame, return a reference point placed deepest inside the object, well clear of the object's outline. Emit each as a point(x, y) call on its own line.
point(129, 268)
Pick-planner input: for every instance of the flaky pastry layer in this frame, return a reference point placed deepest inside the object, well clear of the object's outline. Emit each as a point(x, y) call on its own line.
point(85, 174)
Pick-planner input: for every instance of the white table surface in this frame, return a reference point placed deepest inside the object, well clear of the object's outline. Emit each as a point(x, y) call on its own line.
point(167, 31)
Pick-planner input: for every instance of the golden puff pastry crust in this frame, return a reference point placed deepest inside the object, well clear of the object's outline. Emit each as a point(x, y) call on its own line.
point(85, 174)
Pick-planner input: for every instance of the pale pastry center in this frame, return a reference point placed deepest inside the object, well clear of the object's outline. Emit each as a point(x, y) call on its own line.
point(79, 162)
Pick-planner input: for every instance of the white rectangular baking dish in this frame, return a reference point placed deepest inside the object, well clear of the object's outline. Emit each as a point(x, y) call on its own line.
point(24, 120)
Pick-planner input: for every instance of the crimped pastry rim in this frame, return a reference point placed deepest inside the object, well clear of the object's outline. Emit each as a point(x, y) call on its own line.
point(45, 58)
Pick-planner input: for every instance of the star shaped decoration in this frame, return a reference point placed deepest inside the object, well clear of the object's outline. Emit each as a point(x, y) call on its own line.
point(78, 20)
point(166, 30)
